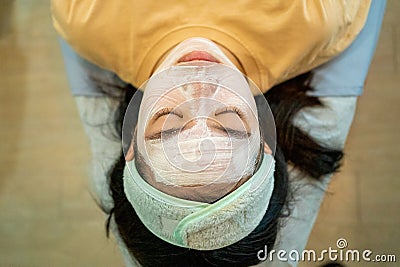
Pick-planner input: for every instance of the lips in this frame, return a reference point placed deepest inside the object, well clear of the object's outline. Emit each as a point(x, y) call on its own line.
point(198, 55)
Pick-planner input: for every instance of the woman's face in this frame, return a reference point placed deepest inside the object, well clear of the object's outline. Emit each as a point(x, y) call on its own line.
point(198, 121)
point(226, 99)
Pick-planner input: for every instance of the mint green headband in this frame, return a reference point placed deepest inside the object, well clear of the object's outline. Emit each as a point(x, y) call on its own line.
point(197, 225)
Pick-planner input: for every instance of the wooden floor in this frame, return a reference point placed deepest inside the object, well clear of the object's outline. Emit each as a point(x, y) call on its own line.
point(47, 216)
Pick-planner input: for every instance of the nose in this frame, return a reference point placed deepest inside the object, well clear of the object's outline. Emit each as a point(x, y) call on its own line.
point(196, 127)
point(197, 90)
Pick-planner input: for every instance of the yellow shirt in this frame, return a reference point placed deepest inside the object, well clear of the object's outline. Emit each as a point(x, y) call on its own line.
point(274, 40)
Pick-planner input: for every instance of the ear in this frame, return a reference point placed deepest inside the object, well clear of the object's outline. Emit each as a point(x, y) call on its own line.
point(130, 154)
point(267, 149)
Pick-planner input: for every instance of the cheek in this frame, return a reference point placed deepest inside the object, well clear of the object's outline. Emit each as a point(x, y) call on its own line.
point(172, 99)
point(228, 98)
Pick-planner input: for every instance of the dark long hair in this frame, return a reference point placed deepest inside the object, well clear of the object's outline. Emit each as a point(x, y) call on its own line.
point(293, 145)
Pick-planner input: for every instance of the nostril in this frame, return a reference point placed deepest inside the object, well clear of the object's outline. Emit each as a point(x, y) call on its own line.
point(199, 89)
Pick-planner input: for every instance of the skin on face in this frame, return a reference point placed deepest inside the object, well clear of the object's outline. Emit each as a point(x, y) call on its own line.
point(225, 114)
point(232, 107)
point(203, 109)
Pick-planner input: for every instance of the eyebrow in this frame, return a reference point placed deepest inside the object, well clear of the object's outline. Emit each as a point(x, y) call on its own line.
point(157, 135)
point(232, 132)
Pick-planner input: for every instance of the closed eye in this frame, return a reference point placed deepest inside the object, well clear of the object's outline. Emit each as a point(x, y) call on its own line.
point(230, 109)
point(151, 135)
point(233, 110)
point(166, 111)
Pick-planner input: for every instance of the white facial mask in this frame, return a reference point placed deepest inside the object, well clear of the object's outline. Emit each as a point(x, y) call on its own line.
point(197, 157)
point(210, 133)
point(216, 147)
